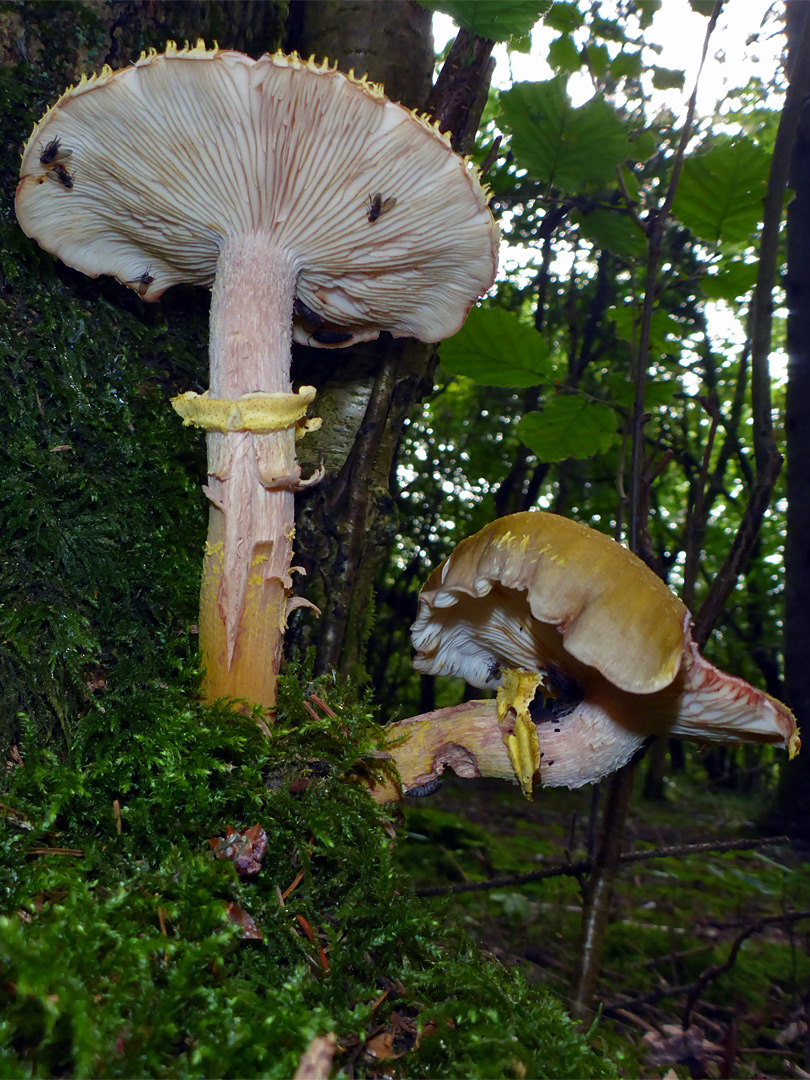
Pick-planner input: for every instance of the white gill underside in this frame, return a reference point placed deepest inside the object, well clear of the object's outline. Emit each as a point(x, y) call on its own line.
point(164, 168)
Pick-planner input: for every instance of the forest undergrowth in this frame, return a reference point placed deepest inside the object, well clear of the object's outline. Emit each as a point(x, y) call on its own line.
point(675, 920)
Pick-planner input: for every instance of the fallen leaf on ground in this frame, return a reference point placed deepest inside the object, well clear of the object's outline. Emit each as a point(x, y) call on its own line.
point(246, 849)
point(240, 917)
point(688, 1048)
point(381, 1046)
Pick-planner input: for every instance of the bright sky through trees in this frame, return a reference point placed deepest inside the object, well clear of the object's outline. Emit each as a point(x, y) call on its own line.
point(747, 44)
point(748, 40)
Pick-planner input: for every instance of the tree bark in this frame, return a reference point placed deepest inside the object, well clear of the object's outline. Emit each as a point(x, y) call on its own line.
point(793, 801)
point(345, 524)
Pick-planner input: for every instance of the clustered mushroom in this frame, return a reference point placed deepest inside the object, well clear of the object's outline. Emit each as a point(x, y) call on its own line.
point(316, 210)
point(589, 652)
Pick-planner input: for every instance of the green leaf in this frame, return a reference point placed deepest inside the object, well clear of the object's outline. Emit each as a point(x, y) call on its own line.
point(608, 30)
point(612, 230)
point(733, 279)
point(496, 349)
point(663, 329)
point(646, 12)
point(626, 66)
point(564, 16)
point(720, 192)
point(559, 144)
point(630, 182)
point(667, 78)
point(599, 58)
point(498, 20)
point(702, 7)
point(569, 426)
point(657, 392)
point(643, 145)
point(563, 54)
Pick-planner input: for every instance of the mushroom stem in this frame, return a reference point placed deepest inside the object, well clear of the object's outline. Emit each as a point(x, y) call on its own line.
point(472, 740)
point(251, 477)
point(465, 737)
point(590, 741)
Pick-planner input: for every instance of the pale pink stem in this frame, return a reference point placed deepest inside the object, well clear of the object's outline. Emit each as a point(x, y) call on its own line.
point(251, 478)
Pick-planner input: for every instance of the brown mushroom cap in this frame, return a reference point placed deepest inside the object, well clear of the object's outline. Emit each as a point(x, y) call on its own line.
point(179, 150)
point(535, 590)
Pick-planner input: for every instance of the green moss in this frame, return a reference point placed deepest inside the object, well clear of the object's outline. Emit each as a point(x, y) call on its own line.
point(117, 955)
point(104, 522)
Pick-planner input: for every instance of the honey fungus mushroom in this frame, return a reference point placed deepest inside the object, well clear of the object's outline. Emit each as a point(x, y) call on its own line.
point(590, 654)
point(252, 177)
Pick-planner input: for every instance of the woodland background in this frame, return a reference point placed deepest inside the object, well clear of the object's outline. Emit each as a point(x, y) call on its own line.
point(618, 374)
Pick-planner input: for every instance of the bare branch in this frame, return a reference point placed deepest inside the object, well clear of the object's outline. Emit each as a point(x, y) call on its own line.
point(693, 990)
point(787, 918)
point(584, 866)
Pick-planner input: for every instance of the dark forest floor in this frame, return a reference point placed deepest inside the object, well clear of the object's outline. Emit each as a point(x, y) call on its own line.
point(672, 920)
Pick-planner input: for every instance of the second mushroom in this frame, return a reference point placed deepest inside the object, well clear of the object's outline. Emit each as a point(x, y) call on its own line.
point(266, 181)
point(590, 655)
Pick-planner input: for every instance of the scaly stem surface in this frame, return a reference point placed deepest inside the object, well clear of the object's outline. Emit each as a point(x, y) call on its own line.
point(251, 478)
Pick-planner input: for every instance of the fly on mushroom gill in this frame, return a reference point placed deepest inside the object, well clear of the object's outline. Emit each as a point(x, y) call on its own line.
point(377, 206)
point(60, 175)
point(143, 281)
point(52, 154)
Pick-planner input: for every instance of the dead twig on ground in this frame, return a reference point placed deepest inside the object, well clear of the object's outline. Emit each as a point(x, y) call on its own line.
point(787, 918)
point(694, 989)
point(584, 866)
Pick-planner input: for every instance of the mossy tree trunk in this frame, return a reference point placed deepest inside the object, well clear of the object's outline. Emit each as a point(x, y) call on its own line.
point(345, 523)
point(101, 508)
point(364, 394)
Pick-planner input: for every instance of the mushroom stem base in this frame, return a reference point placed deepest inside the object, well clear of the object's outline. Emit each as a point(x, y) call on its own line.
point(253, 670)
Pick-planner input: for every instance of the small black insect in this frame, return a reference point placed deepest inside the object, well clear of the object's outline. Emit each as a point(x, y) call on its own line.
point(143, 282)
point(52, 153)
point(377, 206)
point(307, 314)
point(60, 175)
point(423, 790)
point(331, 337)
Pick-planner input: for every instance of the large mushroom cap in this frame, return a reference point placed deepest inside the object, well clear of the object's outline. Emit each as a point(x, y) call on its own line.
point(155, 164)
point(531, 587)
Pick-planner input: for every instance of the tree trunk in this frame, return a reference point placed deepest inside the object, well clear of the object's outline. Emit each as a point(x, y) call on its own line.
point(793, 801)
point(345, 524)
point(53, 317)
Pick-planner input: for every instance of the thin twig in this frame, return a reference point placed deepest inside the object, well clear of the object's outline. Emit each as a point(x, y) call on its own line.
point(693, 990)
point(584, 866)
point(766, 453)
point(598, 887)
point(75, 853)
point(656, 234)
point(696, 522)
point(713, 972)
